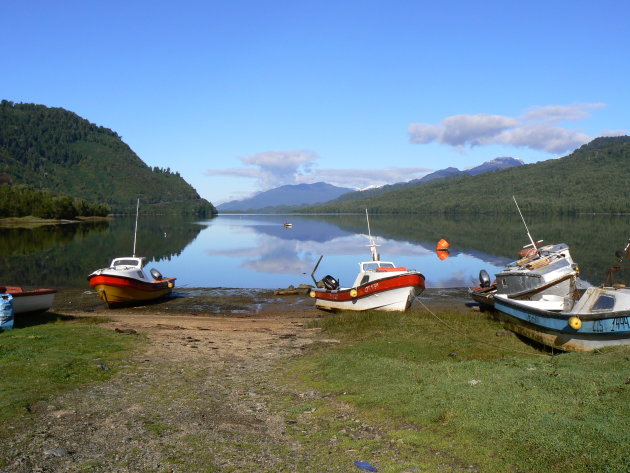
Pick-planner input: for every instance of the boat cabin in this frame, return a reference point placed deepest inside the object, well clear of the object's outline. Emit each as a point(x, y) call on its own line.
point(376, 265)
point(130, 262)
point(372, 270)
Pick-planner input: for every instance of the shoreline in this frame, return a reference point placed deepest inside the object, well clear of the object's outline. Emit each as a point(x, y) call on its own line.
point(238, 301)
point(29, 222)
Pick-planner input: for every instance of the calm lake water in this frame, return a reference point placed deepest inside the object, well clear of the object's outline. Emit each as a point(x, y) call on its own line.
point(257, 251)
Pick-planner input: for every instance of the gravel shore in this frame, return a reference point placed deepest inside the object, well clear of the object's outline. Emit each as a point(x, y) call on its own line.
point(205, 394)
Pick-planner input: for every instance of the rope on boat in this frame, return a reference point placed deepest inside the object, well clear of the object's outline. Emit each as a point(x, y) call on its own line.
point(474, 339)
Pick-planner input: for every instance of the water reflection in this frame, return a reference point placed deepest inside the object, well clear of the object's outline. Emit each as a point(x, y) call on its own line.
point(63, 255)
point(274, 256)
point(259, 252)
point(495, 240)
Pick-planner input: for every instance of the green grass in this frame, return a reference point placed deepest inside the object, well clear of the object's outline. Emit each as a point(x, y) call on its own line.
point(457, 394)
point(48, 354)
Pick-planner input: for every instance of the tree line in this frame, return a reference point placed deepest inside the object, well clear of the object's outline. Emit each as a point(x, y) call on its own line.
point(593, 179)
point(57, 150)
point(24, 201)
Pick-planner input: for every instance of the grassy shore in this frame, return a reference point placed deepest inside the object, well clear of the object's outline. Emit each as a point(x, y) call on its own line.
point(30, 221)
point(443, 390)
point(51, 354)
point(456, 389)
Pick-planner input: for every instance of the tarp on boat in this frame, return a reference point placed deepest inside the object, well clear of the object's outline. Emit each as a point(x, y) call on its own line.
point(6, 312)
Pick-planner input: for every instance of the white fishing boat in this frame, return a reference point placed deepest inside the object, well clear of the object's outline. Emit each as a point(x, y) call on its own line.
point(379, 285)
point(29, 301)
point(582, 320)
point(125, 281)
point(539, 271)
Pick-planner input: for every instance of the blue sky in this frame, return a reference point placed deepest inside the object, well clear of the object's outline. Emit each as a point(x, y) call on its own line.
point(240, 96)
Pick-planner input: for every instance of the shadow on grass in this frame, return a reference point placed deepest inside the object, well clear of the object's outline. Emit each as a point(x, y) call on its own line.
point(539, 346)
point(148, 303)
point(41, 318)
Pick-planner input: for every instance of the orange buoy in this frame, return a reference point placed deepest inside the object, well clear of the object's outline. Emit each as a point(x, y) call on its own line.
point(442, 254)
point(442, 245)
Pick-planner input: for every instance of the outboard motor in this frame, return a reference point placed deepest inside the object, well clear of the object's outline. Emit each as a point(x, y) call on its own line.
point(330, 283)
point(156, 274)
point(484, 278)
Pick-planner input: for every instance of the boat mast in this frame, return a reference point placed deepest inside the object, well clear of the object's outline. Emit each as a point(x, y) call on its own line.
point(523, 219)
point(135, 232)
point(372, 245)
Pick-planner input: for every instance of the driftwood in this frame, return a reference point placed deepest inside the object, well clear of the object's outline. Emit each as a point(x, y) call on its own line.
point(286, 292)
point(290, 291)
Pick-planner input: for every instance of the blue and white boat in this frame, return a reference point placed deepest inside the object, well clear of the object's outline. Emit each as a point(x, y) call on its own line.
point(583, 320)
point(539, 272)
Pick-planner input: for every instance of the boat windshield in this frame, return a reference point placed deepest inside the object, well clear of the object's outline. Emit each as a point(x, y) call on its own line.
point(374, 265)
point(127, 262)
point(604, 302)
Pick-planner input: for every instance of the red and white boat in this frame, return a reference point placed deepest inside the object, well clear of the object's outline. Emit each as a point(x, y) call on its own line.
point(25, 302)
point(380, 285)
point(126, 282)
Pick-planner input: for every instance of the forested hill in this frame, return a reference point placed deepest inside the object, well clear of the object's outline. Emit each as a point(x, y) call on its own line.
point(54, 149)
point(595, 178)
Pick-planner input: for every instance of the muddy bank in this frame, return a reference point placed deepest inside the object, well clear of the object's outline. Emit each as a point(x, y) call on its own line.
point(218, 300)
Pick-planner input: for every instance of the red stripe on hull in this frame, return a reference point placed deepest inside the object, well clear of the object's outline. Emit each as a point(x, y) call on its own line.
point(123, 282)
point(19, 292)
point(374, 287)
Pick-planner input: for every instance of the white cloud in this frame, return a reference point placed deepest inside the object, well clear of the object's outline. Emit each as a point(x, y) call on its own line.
point(557, 113)
point(423, 133)
point(614, 133)
point(277, 168)
point(361, 178)
point(290, 160)
point(271, 168)
point(460, 130)
point(535, 129)
point(236, 172)
point(546, 138)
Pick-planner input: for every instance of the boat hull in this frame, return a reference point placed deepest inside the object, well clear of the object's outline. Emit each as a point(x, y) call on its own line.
point(532, 286)
point(29, 302)
point(552, 328)
point(549, 270)
point(118, 290)
point(483, 295)
point(535, 290)
point(390, 294)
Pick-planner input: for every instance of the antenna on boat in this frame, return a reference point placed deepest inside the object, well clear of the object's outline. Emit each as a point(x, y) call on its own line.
point(315, 269)
point(135, 232)
point(523, 219)
point(372, 245)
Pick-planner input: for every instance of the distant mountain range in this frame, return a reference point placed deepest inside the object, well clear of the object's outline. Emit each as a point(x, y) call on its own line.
point(492, 165)
point(289, 197)
point(591, 180)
